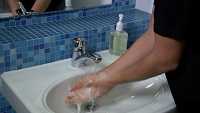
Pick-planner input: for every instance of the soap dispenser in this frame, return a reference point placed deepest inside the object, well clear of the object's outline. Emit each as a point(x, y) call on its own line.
point(118, 39)
point(68, 5)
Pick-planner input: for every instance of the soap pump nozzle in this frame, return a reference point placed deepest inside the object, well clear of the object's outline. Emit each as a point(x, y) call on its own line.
point(120, 26)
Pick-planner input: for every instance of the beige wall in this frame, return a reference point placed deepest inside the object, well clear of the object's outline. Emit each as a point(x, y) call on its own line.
point(89, 3)
point(145, 5)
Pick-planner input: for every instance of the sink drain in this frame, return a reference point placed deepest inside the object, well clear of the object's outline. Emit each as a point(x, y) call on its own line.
point(89, 106)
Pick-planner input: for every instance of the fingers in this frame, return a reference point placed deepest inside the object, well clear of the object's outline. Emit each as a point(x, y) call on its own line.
point(94, 85)
point(86, 81)
point(89, 80)
point(77, 85)
point(78, 96)
point(80, 91)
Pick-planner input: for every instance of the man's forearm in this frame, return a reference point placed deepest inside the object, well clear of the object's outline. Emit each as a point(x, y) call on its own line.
point(41, 5)
point(164, 57)
point(13, 6)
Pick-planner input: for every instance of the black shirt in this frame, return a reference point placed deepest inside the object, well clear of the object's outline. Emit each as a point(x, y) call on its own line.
point(54, 5)
point(174, 19)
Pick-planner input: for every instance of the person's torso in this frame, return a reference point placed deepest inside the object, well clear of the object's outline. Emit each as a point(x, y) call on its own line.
point(183, 81)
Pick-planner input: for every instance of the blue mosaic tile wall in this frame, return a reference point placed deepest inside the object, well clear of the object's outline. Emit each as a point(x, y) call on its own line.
point(27, 46)
point(34, 40)
point(4, 106)
point(117, 5)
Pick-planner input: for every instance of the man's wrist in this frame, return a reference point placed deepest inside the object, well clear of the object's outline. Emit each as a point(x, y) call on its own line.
point(32, 10)
point(107, 78)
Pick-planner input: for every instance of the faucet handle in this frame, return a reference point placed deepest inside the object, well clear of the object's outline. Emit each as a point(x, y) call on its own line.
point(95, 57)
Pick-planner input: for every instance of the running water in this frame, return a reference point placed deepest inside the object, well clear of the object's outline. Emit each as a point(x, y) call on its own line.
point(78, 108)
point(92, 101)
point(91, 104)
point(92, 107)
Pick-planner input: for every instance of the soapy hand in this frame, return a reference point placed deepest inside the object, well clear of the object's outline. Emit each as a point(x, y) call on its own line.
point(87, 88)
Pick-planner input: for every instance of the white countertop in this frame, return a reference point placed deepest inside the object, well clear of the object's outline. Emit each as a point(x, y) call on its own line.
point(4, 15)
point(24, 88)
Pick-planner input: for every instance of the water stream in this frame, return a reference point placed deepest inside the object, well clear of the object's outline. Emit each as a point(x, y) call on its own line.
point(90, 106)
point(78, 108)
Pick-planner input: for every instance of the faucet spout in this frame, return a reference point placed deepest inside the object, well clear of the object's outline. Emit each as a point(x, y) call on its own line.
point(22, 10)
point(79, 52)
point(79, 48)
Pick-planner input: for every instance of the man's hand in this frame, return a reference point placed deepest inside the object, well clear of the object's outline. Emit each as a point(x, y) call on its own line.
point(87, 88)
point(13, 5)
point(41, 5)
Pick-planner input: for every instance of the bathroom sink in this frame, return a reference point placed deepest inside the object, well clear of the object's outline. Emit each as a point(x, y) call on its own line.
point(122, 99)
point(44, 87)
point(125, 98)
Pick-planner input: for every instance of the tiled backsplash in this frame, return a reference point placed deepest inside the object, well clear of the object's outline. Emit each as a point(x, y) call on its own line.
point(4, 106)
point(26, 46)
point(34, 40)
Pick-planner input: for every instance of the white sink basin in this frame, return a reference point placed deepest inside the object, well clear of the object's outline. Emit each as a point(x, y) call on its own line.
point(41, 89)
point(122, 99)
point(5, 15)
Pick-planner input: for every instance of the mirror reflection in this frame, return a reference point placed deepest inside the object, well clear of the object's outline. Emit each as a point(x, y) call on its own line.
point(23, 7)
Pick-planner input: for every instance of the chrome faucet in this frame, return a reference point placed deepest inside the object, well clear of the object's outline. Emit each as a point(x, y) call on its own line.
point(79, 51)
point(79, 48)
point(22, 10)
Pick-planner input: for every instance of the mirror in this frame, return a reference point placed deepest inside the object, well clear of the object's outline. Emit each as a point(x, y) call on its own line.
point(53, 6)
